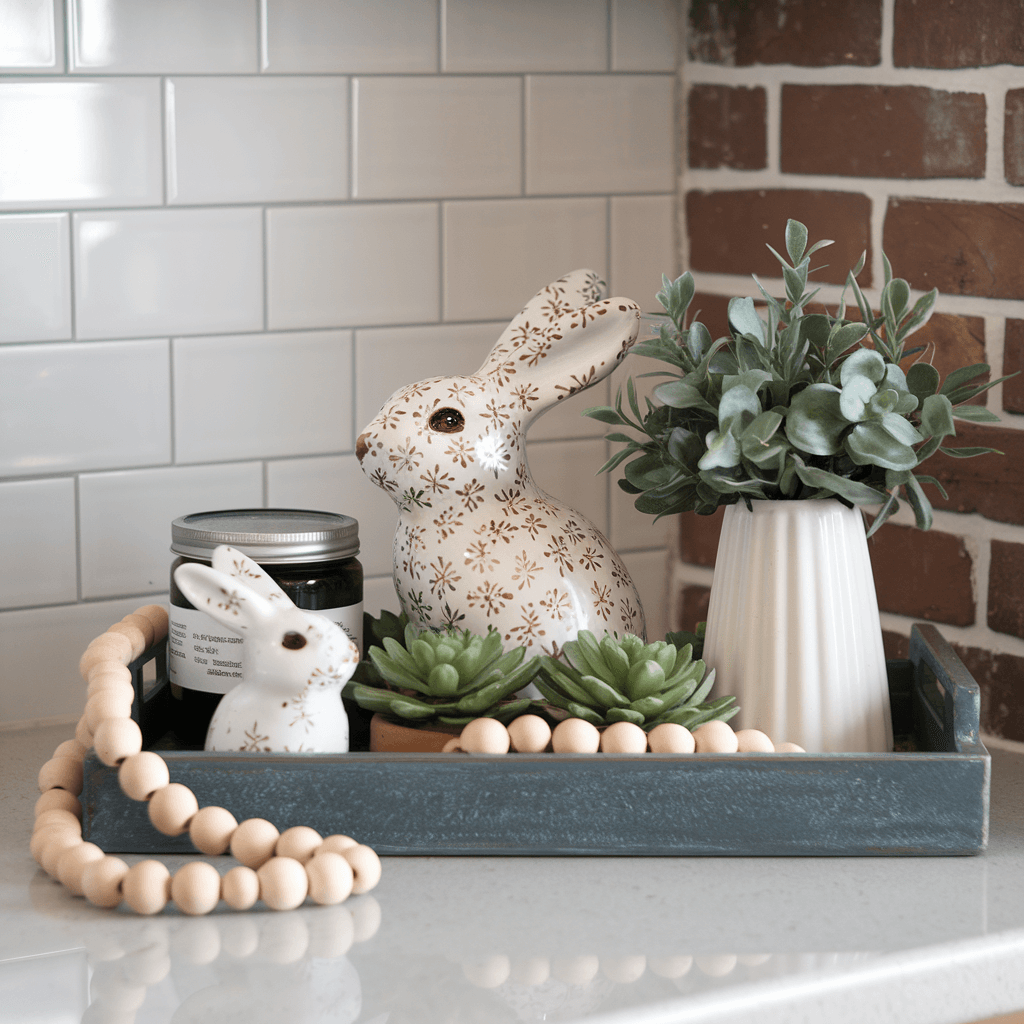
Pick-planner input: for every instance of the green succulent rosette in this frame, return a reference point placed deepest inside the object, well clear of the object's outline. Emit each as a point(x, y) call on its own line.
point(450, 676)
point(625, 680)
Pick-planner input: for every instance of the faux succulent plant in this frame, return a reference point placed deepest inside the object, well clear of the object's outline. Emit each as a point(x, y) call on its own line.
point(626, 680)
point(798, 405)
point(450, 676)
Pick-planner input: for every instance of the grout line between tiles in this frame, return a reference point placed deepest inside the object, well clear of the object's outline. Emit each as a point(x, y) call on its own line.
point(263, 32)
point(442, 267)
point(72, 289)
point(265, 265)
point(170, 395)
point(442, 42)
point(78, 541)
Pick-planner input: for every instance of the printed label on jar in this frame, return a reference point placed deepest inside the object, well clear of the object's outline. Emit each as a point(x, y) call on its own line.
point(203, 655)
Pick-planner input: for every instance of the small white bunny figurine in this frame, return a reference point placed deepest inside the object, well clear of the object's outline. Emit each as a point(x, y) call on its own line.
point(478, 543)
point(294, 662)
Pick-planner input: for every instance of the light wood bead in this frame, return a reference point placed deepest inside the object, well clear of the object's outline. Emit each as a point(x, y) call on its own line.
point(753, 741)
point(57, 816)
point(106, 704)
point(55, 846)
point(59, 799)
point(61, 773)
point(134, 619)
point(211, 830)
point(70, 748)
point(72, 864)
point(195, 888)
point(336, 844)
point(715, 738)
point(146, 887)
point(484, 736)
point(116, 739)
point(253, 842)
point(299, 843)
point(157, 614)
point(135, 635)
point(365, 866)
point(83, 733)
point(172, 808)
point(575, 736)
point(330, 878)
point(789, 748)
point(240, 888)
point(452, 747)
point(283, 883)
point(529, 734)
point(623, 738)
point(111, 684)
point(106, 673)
point(108, 647)
point(42, 838)
point(671, 738)
point(101, 881)
point(142, 774)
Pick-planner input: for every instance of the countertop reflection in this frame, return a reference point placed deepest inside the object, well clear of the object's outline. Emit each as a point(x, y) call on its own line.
point(453, 940)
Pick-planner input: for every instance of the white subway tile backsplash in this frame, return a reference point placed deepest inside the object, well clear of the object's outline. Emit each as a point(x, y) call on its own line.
point(567, 470)
point(125, 519)
point(335, 483)
point(35, 277)
point(379, 594)
point(525, 35)
point(645, 34)
point(79, 143)
point(140, 272)
point(262, 395)
point(599, 133)
point(67, 407)
point(39, 653)
point(250, 139)
point(427, 137)
point(499, 253)
point(37, 542)
point(567, 420)
point(162, 36)
point(28, 38)
point(340, 266)
point(643, 247)
point(650, 573)
point(356, 36)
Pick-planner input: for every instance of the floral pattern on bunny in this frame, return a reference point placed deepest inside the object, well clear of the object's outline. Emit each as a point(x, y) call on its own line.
point(294, 662)
point(478, 544)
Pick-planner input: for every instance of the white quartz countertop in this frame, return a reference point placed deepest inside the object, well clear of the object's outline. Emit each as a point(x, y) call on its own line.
point(460, 940)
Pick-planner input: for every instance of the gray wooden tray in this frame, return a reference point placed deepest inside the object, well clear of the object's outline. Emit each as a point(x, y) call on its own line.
point(933, 800)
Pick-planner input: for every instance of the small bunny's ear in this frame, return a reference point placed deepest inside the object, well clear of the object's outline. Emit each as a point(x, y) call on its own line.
point(222, 597)
point(232, 562)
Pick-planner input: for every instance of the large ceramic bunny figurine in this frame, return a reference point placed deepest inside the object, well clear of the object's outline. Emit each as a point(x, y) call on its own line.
point(294, 662)
point(478, 543)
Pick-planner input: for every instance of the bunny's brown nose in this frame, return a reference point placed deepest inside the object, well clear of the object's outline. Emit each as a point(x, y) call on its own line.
point(361, 446)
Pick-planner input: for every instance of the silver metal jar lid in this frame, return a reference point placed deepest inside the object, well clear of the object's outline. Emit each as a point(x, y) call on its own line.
point(270, 536)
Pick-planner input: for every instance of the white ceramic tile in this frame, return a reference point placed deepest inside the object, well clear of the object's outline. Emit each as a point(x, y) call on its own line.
point(599, 133)
point(525, 35)
point(28, 38)
point(500, 253)
point(68, 407)
point(649, 571)
point(37, 542)
point(567, 470)
point(39, 652)
point(249, 139)
point(125, 519)
point(644, 34)
point(168, 272)
point(357, 35)
point(566, 419)
point(421, 137)
point(80, 143)
point(642, 247)
point(335, 483)
point(379, 593)
point(340, 266)
point(262, 395)
point(35, 277)
point(154, 36)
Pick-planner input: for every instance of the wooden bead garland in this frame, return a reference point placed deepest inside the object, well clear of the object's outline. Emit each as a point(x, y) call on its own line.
point(291, 865)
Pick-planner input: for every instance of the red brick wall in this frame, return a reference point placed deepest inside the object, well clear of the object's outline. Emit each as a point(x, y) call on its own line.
point(895, 125)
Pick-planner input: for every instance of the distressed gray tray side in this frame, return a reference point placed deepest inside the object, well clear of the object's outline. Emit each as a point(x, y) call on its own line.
point(922, 803)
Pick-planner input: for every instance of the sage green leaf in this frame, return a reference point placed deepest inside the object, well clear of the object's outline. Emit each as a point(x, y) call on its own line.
point(901, 428)
point(922, 479)
point(937, 416)
point(962, 376)
point(602, 693)
point(975, 414)
point(755, 441)
point(681, 395)
point(889, 508)
point(869, 444)
point(582, 711)
point(623, 715)
point(884, 400)
point(922, 380)
point(821, 245)
point(443, 680)
point(645, 678)
point(854, 491)
point(919, 315)
point(698, 340)
point(895, 299)
point(969, 453)
point(920, 504)
point(743, 318)
point(753, 380)
point(685, 446)
point(816, 329)
point(842, 337)
point(740, 404)
point(853, 402)
point(723, 451)
point(395, 673)
point(866, 362)
point(722, 484)
point(815, 421)
point(796, 240)
point(605, 415)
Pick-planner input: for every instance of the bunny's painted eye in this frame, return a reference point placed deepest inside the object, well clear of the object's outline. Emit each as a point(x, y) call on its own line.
point(293, 641)
point(447, 421)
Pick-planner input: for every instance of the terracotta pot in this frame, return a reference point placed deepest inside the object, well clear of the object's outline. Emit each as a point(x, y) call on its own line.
point(389, 736)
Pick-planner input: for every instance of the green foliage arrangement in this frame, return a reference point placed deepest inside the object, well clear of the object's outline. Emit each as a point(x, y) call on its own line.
point(626, 680)
point(801, 405)
point(450, 676)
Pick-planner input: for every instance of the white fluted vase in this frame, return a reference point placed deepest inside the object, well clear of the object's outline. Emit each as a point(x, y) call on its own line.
point(793, 628)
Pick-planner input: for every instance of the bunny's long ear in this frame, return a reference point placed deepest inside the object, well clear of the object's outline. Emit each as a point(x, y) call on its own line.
point(224, 598)
point(232, 562)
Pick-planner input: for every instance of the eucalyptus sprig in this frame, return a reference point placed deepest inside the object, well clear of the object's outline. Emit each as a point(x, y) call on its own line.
point(794, 406)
